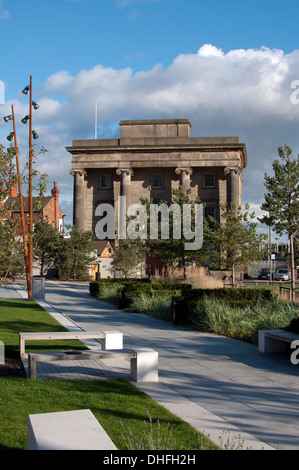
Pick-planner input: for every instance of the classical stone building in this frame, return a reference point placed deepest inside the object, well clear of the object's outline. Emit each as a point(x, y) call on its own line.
point(150, 159)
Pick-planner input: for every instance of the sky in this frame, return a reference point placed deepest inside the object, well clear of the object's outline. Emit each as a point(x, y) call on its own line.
point(227, 66)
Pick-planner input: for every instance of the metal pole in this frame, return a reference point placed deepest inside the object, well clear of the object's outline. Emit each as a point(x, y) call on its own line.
point(21, 204)
point(30, 194)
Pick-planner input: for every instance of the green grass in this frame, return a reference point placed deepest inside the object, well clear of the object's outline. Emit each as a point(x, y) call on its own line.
point(18, 316)
point(156, 305)
point(221, 318)
point(121, 408)
point(112, 402)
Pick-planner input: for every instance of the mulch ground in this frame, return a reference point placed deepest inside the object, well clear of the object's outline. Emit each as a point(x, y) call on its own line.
point(13, 367)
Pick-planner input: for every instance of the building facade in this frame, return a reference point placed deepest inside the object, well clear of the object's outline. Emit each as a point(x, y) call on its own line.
point(46, 207)
point(150, 159)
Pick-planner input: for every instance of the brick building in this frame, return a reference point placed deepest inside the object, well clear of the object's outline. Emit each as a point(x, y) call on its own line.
point(45, 207)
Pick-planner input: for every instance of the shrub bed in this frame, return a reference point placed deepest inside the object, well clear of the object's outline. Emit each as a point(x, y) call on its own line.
point(216, 316)
point(131, 291)
point(234, 297)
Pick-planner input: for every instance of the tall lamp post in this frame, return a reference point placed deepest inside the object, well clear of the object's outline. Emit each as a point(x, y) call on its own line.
point(32, 134)
point(12, 135)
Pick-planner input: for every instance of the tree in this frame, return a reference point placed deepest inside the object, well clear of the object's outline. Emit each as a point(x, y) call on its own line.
point(127, 256)
point(76, 254)
point(282, 200)
point(178, 249)
point(234, 241)
point(10, 246)
point(11, 252)
point(46, 245)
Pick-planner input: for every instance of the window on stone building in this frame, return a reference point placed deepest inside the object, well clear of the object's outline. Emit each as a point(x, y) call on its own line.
point(209, 180)
point(156, 181)
point(105, 182)
point(210, 211)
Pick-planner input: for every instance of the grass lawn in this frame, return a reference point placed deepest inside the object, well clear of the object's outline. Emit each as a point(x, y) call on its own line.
point(122, 409)
point(27, 316)
point(112, 402)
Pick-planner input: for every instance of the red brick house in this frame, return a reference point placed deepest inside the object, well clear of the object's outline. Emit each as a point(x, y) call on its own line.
point(45, 207)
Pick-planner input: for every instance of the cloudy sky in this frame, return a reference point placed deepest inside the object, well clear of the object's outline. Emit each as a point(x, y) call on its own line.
point(227, 66)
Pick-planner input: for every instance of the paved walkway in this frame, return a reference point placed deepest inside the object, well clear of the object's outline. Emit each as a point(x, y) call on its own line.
point(215, 383)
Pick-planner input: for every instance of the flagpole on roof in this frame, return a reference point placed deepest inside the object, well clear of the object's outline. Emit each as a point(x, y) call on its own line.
point(96, 122)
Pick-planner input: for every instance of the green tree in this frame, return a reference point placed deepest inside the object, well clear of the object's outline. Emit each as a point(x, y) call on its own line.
point(282, 200)
point(128, 256)
point(10, 245)
point(234, 241)
point(46, 245)
point(182, 246)
point(11, 252)
point(76, 254)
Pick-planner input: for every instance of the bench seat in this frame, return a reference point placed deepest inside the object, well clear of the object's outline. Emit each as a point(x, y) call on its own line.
point(67, 430)
point(143, 361)
point(110, 339)
point(275, 341)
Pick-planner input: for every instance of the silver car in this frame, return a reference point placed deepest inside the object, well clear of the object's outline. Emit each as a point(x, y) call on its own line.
point(282, 275)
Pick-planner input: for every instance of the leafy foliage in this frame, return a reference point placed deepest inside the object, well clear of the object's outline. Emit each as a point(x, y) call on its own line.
point(234, 241)
point(282, 199)
point(75, 254)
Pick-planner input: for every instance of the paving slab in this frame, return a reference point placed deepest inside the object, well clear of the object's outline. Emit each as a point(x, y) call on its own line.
point(218, 384)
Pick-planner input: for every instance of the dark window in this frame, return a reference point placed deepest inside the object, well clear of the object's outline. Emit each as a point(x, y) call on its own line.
point(105, 182)
point(209, 181)
point(209, 211)
point(156, 181)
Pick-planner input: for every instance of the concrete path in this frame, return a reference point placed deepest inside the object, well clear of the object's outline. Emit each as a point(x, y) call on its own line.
point(222, 387)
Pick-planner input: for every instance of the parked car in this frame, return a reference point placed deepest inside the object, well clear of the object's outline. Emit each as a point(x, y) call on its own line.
point(264, 273)
point(283, 275)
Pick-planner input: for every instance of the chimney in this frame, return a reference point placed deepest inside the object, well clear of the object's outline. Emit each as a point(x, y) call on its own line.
point(13, 192)
point(55, 195)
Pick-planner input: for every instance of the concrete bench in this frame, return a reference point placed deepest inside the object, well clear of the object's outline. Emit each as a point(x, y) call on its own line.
point(67, 430)
point(275, 341)
point(110, 339)
point(143, 361)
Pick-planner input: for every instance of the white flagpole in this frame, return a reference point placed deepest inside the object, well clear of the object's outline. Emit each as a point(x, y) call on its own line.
point(96, 121)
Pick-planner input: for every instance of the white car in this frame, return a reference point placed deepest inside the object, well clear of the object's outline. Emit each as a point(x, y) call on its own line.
point(282, 275)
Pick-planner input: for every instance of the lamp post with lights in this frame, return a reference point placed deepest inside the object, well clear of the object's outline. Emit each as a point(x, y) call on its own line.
point(28, 251)
point(13, 135)
point(32, 134)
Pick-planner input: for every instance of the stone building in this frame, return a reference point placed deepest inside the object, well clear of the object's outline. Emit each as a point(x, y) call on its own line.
point(150, 159)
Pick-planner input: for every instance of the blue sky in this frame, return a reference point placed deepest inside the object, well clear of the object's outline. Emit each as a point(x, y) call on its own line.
point(226, 65)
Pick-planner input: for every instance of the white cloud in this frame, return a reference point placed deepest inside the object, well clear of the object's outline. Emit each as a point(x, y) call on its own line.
point(243, 92)
point(4, 14)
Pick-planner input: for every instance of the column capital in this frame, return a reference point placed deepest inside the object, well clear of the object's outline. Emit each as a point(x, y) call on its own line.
point(127, 171)
point(232, 169)
point(187, 171)
point(81, 172)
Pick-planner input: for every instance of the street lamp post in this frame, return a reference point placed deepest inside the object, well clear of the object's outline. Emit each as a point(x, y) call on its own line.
point(14, 135)
point(32, 134)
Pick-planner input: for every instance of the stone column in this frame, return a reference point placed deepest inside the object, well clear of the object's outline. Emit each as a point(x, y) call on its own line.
point(185, 177)
point(125, 183)
point(124, 201)
point(79, 200)
point(233, 178)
